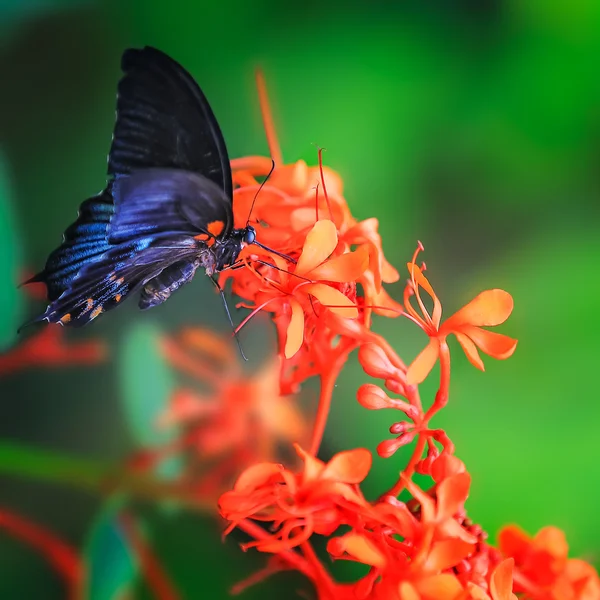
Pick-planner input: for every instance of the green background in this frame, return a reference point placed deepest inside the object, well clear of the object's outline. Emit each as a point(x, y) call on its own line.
point(473, 126)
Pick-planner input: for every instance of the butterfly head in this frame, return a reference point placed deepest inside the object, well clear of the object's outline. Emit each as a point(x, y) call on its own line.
point(227, 249)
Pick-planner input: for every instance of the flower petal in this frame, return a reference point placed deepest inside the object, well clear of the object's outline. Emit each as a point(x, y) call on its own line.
point(513, 541)
point(351, 466)
point(332, 299)
point(451, 494)
point(488, 309)
point(313, 467)
point(341, 269)
point(318, 246)
point(406, 591)
point(422, 365)
point(502, 580)
point(422, 281)
point(256, 475)
point(292, 179)
point(295, 330)
point(439, 587)
point(358, 547)
point(493, 344)
point(552, 540)
point(471, 351)
point(446, 554)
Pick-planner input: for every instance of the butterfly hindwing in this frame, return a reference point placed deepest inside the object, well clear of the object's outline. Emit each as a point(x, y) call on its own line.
point(83, 241)
point(164, 120)
point(116, 274)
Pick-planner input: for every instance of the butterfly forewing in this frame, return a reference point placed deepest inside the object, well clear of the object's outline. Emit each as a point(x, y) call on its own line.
point(158, 201)
point(164, 120)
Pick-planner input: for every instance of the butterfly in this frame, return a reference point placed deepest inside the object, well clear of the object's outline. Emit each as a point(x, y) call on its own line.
point(166, 209)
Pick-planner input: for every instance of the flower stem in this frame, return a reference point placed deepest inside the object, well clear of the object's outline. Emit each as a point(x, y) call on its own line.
point(64, 559)
point(104, 478)
point(410, 467)
point(157, 579)
point(441, 397)
point(322, 577)
point(328, 380)
point(265, 109)
point(290, 556)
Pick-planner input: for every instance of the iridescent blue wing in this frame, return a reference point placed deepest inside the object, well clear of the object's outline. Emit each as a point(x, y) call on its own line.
point(83, 241)
point(164, 120)
point(157, 201)
point(122, 270)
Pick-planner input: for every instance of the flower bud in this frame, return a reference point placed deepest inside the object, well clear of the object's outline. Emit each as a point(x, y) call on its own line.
point(375, 362)
point(372, 397)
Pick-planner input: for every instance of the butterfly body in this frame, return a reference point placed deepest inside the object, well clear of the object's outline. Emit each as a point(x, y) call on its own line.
point(167, 207)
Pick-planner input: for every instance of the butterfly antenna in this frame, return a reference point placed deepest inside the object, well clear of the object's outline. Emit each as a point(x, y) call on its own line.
point(235, 334)
point(258, 191)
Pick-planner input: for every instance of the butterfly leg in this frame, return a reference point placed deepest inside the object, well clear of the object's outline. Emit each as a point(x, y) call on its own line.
point(224, 299)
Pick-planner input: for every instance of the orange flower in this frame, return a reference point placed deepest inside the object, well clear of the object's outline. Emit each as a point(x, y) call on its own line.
point(544, 571)
point(318, 500)
point(500, 586)
point(230, 420)
point(318, 275)
point(490, 308)
point(301, 212)
point(48, 348)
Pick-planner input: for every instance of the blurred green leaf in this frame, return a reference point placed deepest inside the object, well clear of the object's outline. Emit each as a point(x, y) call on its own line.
point(147, 383)
point(111, 566)
point(10, 261)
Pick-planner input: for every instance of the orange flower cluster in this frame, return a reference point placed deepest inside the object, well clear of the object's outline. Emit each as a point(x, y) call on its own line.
point(423, 548)
point(227, 420)
point(335, 257)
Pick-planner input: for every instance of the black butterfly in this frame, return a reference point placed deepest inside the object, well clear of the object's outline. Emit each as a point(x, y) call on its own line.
point(167, 206)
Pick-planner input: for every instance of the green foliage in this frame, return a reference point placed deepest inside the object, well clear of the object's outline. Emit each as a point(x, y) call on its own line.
point(111, 566)
point(11, 261)
point(146, 383)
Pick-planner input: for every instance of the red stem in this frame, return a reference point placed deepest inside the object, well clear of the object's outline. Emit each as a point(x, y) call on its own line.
point(265, 109)
point(61, 557)
point(295, 560)
point(328, 380)
point(322, 577)
point(410, 467)
point(441, 397)
point(152, 570)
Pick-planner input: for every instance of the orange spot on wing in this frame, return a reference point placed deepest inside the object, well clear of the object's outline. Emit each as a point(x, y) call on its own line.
point(201, 238)
point(90, 303)
point(118, 298)
point(65, 319)
point(96, 312)
point(216, 227)
point(120, 280)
